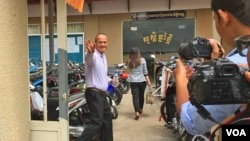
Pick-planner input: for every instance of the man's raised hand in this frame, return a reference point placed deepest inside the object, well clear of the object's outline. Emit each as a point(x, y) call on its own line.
point(89, 46)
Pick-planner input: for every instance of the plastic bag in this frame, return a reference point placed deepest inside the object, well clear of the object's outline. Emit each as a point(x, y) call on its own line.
point(36, 101)
point(149, 96)
point(115, 80)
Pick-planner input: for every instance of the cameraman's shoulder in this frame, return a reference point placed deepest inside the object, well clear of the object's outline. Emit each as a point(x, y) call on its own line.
point(236, 58)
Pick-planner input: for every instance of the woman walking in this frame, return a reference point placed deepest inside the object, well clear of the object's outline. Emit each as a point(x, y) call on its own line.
point(138, 79)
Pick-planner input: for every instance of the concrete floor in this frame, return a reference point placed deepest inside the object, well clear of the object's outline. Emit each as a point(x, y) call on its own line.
point(147, 128)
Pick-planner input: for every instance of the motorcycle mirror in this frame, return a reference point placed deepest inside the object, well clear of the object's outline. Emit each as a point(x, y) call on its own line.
point(32, 87)
point(152, 56)
point(80, 81)
point(172, 57)
point(120, 65)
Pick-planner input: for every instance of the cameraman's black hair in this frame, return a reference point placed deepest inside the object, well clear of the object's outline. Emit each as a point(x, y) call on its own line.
point(248, 8)
point(236, 7)
point(183, 53)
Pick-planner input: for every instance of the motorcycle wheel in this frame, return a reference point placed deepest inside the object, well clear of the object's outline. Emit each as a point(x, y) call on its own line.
point(116, 95)
point(183, 135)
point(163, 111)
point(124, 86)
point(114, 112)
point(79, 118)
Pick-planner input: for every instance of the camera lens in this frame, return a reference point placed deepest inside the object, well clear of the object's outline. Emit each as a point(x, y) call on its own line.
point(186, 51)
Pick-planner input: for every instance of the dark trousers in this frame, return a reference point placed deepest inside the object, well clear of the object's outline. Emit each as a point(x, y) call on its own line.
point(100, 115)
point(138, 90)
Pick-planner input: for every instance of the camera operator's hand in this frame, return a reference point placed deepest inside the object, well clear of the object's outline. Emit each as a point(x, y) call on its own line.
point(245, 69)
point(247, 76)
point(179, 71)
point(243, 66)
point(183, 71)
point(181, 74)
point(218, 50)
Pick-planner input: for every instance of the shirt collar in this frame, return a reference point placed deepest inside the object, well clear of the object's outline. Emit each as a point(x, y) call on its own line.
point(100, 54)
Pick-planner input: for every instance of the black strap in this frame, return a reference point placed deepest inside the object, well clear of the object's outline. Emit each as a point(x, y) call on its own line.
point(237, 111)
point(239, 114)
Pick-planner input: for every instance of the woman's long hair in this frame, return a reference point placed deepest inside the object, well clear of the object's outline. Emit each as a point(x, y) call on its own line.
point(134, 58)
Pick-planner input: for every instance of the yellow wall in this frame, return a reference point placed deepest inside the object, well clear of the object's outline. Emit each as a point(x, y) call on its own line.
point(14, 84)
point(111, 24)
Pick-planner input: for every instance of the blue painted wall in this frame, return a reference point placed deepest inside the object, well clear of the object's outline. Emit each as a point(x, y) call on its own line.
point(76, 56)
point(35, 48)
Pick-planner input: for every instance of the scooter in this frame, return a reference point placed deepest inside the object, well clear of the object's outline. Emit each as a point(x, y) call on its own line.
point(168, 107)
point(113, 90)
point(115, 94)
point(124, 85)
point(158, 74)
point(113, 107)
point(78, 111)
point(36, 103)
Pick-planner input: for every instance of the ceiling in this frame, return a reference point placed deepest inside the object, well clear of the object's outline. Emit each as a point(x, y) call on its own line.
point(120, 6)
point(88, 2)
point(46, 1)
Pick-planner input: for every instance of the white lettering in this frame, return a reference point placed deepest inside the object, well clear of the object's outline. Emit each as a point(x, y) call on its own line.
point(242, 132)
point(236, 132)
point(229, 132)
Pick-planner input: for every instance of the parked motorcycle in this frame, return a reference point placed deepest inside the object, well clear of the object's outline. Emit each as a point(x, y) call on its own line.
point(36, 103)
point(168, 107)
point(77, 73)
point(114, 91)
point(113, 107)
point(78, 111)
point(124, 85)
point(115, 94)
point(158, 74)
point(78, 107)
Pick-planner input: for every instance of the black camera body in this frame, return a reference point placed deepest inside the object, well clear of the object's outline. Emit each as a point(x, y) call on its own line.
point(219, 81)
point(199, 47)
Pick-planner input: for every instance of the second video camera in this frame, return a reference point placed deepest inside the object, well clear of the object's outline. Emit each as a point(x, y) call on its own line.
point(219, 81)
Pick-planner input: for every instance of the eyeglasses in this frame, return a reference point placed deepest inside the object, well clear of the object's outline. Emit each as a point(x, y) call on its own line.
point(242, 44)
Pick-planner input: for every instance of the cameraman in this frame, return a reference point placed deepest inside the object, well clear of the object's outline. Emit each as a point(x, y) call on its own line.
point(231, 22)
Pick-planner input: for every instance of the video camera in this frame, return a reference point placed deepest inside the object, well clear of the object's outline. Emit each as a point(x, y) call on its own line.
point(199, 47)
point(219, 81)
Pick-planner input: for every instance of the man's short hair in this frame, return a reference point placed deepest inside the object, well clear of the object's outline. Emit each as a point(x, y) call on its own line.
point(236, 7)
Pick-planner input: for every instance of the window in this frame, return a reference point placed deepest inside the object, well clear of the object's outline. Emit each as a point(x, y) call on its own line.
point(71, 28)
point(33, 29)
point(75, 27)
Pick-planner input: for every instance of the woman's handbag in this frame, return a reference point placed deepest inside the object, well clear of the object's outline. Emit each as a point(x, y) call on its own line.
point(149, 96)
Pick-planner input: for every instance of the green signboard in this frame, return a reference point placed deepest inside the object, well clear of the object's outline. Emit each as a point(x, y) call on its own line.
point(153, 36)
